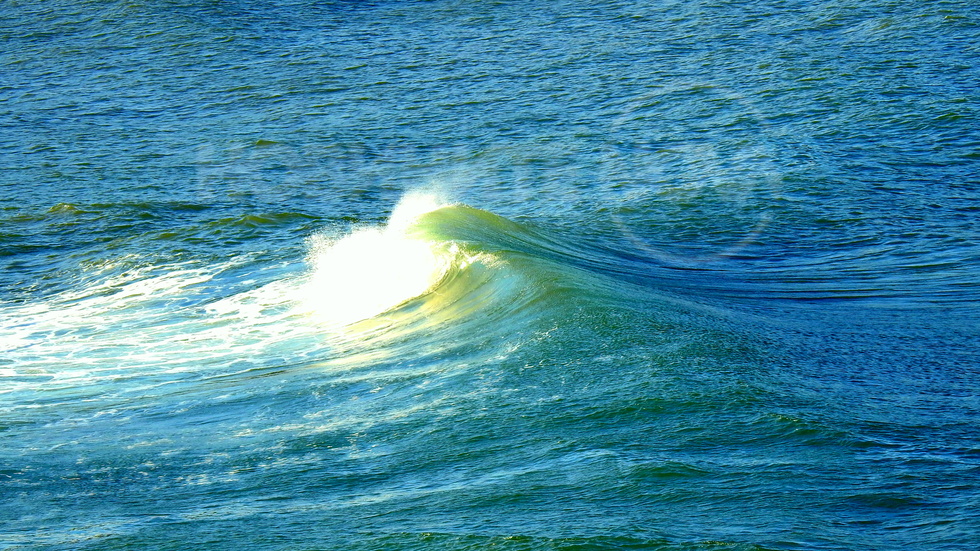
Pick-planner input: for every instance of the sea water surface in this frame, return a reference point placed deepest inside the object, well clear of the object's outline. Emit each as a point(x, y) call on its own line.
point(489, 275)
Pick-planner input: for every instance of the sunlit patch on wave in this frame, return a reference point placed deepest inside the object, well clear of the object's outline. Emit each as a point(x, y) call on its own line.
point(372, 270)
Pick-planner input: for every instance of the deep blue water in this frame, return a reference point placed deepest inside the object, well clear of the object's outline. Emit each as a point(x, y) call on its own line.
point(490, 275)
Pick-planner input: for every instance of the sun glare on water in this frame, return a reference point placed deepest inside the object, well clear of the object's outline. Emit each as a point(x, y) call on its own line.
point(372, 270)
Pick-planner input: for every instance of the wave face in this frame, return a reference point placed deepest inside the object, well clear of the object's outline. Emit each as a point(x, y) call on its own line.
point(463, 276)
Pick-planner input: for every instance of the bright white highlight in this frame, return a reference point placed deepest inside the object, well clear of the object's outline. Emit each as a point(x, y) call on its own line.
point(373, 270)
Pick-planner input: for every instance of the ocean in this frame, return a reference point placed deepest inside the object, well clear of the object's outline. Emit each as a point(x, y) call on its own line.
point(456, 275)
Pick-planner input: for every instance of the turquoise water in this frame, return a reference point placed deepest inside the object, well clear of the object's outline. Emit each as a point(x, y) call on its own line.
point(489, 275)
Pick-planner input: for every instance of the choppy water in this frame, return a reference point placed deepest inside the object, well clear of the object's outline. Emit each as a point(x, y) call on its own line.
point(473, 275)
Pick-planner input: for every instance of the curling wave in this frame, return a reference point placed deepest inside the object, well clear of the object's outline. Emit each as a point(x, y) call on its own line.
point(372, 270)
point(432, 269)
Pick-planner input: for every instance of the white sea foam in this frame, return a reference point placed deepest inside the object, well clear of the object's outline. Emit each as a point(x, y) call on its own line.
point(372, 270)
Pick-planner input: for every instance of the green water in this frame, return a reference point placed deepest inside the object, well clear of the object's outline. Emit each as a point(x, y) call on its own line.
point(457, 275)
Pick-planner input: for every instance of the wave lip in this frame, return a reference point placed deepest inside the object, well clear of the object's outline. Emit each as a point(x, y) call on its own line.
point(372, 270)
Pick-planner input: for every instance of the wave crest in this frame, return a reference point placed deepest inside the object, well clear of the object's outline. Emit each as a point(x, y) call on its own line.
point(375, 269)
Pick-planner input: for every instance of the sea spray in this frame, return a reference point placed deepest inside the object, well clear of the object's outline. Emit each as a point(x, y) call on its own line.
point(373, 269)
